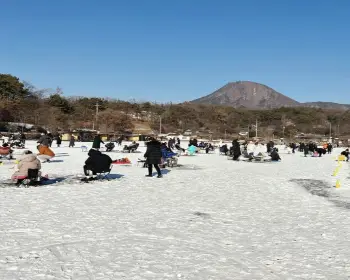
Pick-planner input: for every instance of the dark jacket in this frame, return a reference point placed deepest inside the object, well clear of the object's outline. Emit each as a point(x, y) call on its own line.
point(153, 153)
point(59, 140)
point(275, 156)
point(321, 151)
point(44, 140)
point(236, 149)
point(98, 162)
point(49, 135)
point(110, 146)
point(97, 142)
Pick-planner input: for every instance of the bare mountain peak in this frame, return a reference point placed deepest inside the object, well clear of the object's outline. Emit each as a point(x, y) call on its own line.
point(252, 95)
point(249, 95)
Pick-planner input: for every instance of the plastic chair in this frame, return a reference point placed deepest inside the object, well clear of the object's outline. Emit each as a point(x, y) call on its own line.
point(104, 174)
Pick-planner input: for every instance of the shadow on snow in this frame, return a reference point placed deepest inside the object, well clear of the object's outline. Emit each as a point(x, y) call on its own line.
point(322, 189)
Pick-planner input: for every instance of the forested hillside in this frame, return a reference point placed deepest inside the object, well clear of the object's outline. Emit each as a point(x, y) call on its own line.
point(23, 102)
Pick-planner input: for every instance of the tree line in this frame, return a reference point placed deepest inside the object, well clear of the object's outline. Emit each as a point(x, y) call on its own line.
point(22, 102)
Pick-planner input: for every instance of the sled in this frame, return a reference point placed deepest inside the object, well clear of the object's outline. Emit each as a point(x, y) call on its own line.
point(122, 164)
point(123, 161)
point(33, 178)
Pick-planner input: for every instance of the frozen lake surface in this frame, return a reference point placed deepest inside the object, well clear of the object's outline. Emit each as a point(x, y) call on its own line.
point(208, 219)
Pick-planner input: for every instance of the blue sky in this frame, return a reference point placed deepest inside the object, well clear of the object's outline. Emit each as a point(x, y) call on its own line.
point(165, 50)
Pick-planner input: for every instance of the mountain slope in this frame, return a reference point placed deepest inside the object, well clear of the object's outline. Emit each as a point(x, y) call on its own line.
point(327, 105)
point(249, 95)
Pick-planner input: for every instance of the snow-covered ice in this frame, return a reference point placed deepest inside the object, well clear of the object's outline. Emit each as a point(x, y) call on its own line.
point(210, 218)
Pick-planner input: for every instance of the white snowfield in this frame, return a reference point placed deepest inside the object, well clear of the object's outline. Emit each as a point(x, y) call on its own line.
point(210, 218)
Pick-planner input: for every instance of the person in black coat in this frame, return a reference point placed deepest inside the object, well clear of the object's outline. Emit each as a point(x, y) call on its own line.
point(224, 149)
point(23, 138)
point(306, 150)
point(329, 148)
point(321, 151)
point(58, 140)
point(97, 142)
point(312, 147)
point(96, 163)
point(72, 141)
point(44, 140)
point(153, 157)
point(274, 155)
point(268, 147)
point(346, 154)
point(236, 149)
point(49, 135)
point(293, 146)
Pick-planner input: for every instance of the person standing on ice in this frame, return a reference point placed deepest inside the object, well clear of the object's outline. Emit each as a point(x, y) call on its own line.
point(153, 157)
point(236, 149)
point(58, 140)
point(23, 138)
point(72, 141)
point(49, 135)
point(306, 150)
point(97, 142)
point(329, 148)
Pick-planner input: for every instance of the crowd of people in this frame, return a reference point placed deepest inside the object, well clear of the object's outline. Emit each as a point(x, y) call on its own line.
point(156, 153)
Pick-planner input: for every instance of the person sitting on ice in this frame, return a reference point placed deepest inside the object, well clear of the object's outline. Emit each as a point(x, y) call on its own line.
point(132, 147)
point(192, 150)
point(167, 152)
point(321, 151)
point(5, 150)
point(208, 147)
point(346, 154)
point(27, 161)
point(45, 153)
point(166, 148)
point(96, 163)
point(274, 155)
point(109, 146)
point(224, 149)
point(178, 147)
